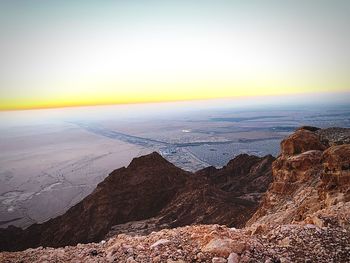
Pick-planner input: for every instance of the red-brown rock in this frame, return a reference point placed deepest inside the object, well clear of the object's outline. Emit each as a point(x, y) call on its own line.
point(151, 188)
point(307, 180)
point(301, 141)
point(336, 173)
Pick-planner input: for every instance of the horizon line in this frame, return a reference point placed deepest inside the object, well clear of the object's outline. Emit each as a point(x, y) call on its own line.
point(167, 101)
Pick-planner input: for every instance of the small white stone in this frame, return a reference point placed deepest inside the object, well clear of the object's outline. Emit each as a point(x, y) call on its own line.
point(160, 242)
point(233, 258)
point(218, 260)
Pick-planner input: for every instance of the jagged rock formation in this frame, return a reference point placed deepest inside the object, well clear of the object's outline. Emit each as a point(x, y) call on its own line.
point(310, 177)
point(303, 217)
point(154, 194)
point(301, 141)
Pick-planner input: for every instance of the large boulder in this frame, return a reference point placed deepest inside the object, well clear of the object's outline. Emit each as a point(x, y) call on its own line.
point(301, 141)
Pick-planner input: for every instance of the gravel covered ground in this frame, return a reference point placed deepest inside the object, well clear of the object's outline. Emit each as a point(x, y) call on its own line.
point(205, 243)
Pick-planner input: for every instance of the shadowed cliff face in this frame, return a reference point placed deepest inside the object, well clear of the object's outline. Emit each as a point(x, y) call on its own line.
point(245, 175)
point(151, 189)
point(229, 195)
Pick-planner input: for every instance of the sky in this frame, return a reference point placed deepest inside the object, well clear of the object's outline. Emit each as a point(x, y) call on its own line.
point(73, 53)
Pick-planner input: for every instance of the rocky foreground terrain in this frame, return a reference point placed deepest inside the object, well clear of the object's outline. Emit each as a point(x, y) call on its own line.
point(304, 216)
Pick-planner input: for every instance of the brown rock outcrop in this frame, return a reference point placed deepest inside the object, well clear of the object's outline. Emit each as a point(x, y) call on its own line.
point(308, 178)
point(291, 171)
point(335, 178)
point(301, 141)
point(153, 191)
point(127, 194)
point(336, 163)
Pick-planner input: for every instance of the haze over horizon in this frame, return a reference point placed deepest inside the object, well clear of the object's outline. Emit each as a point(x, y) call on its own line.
point(63, 53)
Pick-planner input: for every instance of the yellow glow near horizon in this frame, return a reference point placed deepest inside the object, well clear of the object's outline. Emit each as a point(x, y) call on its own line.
point(175, 52)
point(104, 94)
point(162, 70)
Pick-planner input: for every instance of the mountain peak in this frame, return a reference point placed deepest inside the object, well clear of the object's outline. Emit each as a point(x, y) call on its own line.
point(147, 160)
point(150, 188)
point(306, 203)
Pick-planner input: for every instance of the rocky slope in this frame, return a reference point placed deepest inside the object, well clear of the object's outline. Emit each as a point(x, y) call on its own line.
point(148, 195)
point(311, 178)
point(205, 243)
point(303, 217)
point(245, 176)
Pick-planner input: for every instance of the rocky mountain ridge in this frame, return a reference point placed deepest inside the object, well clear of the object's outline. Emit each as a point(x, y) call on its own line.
point(148, 195)
point(304, 216)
